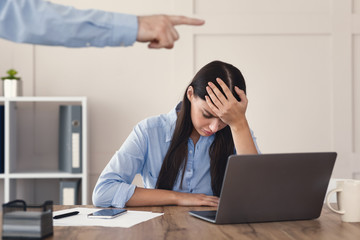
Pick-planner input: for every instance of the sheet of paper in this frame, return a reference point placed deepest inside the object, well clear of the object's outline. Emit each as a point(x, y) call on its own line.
point(129, 219)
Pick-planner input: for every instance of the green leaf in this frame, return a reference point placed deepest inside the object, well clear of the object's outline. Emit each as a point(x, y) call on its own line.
point(12, 73)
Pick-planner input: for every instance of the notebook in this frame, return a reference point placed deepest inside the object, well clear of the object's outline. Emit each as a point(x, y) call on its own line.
point(272, 187)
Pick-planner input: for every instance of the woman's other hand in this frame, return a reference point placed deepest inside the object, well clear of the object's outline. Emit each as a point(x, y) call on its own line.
point(196, 199)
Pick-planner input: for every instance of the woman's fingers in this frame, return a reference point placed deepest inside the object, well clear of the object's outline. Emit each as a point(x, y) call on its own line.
point(196, 199)
point(217, 96)
point(241, 94)
point(210, 204)
point(214, 98)
point(225, 88)
point(211, 105)
point(225, 105)
point(210, 201)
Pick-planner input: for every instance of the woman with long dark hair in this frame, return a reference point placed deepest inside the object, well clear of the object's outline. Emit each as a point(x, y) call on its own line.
point(182, 155)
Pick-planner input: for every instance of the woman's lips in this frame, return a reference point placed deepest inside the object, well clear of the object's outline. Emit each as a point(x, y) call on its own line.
point(208, 133)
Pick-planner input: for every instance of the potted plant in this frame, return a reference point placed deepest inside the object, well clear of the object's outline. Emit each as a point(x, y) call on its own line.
point(11, 84)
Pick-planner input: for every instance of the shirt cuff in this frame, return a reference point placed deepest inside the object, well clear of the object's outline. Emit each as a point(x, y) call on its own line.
point(123, 194)
point(125, 29)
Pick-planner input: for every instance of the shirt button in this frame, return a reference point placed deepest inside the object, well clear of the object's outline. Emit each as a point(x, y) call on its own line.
point(88, 44)
point(191, 151)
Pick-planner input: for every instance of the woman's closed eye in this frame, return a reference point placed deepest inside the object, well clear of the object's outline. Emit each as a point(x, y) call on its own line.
point(206, 114)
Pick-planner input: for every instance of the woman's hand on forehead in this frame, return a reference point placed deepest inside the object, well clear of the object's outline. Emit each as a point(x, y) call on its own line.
point(226, 107)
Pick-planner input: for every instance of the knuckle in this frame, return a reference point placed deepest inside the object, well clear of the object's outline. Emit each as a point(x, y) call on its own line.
point(163, 17)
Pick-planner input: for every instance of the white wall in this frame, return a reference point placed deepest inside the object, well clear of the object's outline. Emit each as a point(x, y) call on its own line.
point(300, 59)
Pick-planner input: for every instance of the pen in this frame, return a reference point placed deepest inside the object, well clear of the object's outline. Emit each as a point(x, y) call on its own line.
point(66, 215)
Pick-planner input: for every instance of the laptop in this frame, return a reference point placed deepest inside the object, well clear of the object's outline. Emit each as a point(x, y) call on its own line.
point(272, 187)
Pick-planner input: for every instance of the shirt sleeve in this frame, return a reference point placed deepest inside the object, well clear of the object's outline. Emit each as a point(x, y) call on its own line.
point(45, 23)
point(255, 142)
point(114, 187)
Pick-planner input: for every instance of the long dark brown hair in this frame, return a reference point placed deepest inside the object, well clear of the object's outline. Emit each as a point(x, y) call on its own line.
point(222, 146)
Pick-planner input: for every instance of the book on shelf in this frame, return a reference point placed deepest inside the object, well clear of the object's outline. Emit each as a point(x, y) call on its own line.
point(69, 192)
point(2, 138)
point(70, 138)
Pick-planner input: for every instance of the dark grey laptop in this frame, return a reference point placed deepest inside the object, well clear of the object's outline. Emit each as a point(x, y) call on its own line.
point(272, 187)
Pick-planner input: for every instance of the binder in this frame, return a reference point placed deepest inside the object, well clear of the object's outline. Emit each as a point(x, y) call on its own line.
point(70, 139)
point(69, 192)
point(2, 138)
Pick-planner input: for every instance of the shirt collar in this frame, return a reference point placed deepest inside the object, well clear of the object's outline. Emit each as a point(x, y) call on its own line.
point(172, 116)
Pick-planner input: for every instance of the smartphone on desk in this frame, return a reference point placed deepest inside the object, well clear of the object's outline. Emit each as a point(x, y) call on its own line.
point(107, 213)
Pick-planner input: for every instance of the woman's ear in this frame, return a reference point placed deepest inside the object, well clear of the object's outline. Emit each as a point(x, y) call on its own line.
point(190, 93)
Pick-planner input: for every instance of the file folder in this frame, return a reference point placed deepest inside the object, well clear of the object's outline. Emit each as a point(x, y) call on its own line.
point(2, 138)
point(69, 192)
point(70, 139)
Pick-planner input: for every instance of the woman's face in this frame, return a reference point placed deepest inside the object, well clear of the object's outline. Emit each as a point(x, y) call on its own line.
point(204, 120)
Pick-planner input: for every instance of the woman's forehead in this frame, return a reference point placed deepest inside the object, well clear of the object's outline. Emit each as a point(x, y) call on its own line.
point(202, 104)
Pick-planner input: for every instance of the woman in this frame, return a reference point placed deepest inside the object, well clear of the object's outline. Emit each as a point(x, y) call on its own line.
point(182, 155)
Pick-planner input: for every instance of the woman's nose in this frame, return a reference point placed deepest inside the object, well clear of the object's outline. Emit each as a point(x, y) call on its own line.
point(215, 125)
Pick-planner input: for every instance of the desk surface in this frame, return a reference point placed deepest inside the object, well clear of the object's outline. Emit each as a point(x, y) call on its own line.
point(176, 223)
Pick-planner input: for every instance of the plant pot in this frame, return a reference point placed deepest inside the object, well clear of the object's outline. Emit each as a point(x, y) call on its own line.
point(12, 87)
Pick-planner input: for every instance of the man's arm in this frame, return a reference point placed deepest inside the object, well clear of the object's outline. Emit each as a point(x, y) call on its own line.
point(45, 23)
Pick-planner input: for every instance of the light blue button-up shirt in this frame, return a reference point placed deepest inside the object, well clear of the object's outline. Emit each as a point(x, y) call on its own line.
point(42, 22)
point(143, 152)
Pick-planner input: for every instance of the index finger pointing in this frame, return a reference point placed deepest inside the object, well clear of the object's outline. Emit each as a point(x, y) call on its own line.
point(179, 20)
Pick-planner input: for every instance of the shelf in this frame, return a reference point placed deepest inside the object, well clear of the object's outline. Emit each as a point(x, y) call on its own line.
point(42, 175)
point(43, 99)
point(32, 146)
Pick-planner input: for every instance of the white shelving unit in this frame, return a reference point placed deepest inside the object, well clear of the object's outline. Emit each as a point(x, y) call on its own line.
point(25, 173)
